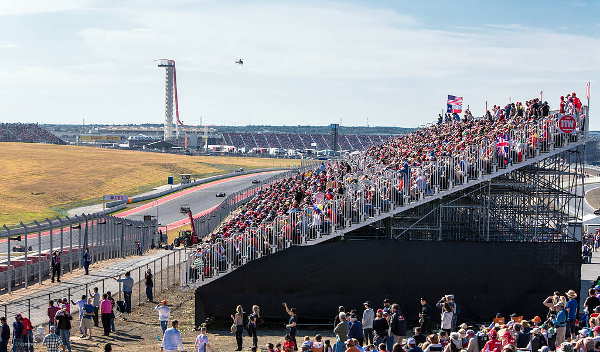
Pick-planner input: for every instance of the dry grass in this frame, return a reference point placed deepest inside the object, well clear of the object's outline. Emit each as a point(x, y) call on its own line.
point(141, 331)
point(40, 181)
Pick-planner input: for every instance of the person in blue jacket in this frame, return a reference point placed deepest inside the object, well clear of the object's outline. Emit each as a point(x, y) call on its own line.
point(356, 329)
point(560, 323)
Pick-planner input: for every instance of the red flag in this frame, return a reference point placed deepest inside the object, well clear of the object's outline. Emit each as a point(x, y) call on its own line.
point(588, 89)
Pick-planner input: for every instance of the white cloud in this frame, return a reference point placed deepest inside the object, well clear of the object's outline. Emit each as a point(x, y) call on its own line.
point(304, 63)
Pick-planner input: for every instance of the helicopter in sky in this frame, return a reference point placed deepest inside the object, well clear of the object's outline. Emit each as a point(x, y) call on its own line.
point(240, 62)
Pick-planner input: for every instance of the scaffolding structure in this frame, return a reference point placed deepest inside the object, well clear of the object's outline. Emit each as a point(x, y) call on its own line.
point(542, 202)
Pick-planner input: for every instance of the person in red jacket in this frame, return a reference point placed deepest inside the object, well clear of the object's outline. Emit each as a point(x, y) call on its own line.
point(493, 344)
point(576, 102)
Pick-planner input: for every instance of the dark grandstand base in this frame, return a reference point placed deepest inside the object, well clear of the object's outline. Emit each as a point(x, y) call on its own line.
point(485, 277)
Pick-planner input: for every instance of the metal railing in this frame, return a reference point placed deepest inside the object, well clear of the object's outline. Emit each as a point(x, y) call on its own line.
point(104, 236)
point(165, 270)
point(372, 190)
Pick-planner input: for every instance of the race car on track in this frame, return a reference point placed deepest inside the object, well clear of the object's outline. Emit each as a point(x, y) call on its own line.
point(255, 181)
point(220, 194)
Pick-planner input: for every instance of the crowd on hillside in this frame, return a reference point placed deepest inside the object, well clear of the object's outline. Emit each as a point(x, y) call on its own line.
point(412, 165)
point(27, 132)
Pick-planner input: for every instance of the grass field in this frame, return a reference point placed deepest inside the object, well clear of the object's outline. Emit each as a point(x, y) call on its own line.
point(39, 181)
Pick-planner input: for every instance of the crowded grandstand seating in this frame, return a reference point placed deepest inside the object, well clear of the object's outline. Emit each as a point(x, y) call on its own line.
point(29, 133)
point(300, 141)
point(403, 169)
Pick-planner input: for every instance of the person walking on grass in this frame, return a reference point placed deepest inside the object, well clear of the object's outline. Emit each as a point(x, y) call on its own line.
point(82, 302)
point(164, 313)
point(106, 309)
point(171, 341)
point(127, 282)
point(63, 326)
point(53, 342)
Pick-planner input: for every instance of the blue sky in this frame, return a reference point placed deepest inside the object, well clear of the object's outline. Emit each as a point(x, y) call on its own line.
point(307, 62)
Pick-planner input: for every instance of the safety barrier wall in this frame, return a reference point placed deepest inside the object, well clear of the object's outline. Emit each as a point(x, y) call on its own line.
point(372, 190)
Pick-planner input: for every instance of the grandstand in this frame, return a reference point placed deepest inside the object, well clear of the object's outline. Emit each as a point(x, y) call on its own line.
point(300, 141)
point(28, 133)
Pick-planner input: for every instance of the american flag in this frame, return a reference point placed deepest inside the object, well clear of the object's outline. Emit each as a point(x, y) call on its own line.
point(454, 104)
point(503, 144)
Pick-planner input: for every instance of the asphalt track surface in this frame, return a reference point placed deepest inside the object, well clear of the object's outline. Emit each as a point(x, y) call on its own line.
point(199, 198)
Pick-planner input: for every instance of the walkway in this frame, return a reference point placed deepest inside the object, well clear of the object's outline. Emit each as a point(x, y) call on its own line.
point(33, 301)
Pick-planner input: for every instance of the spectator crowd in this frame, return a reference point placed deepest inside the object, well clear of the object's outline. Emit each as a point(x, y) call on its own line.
point(27, 132)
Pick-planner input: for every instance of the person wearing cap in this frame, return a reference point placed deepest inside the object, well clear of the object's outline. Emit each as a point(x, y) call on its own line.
point(538, 340)
point(367, 322)
point(411, 345)
point(63, 326)
point(52, 341)
point(493, 344)
point(397, 324)
point(560, 322)
point(387, 306)
point(572, 307)
point(472, 342)
point(380, 327)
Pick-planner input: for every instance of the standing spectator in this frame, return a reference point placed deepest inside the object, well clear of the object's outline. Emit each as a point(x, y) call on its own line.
point(52, 310)
point(87, 322)
point(127, 282)
point(537, 340)
point(380, 327)
point(572, 309)
point(4, 335)
point(63, 326)
point(367, 323)
point(446, 319)
point(82, 302)
point(149, 280)
point(112, 316)
point(164, 313)
point(87, 260)
point(356, 329)
point(18, 341)
point(55, 266)
point(425, 316)
point(201, 344)
point(591, 302)
point(455, 344)
point(341, 333)
point(96, 296)
point(397, 324)
point(292, 322)
point(238, 321)
point(28, 333)
point(172, 339)
point(52, 341)
point(106, 310)
point(253, 323)
point(560, 323)
point(336, 319)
